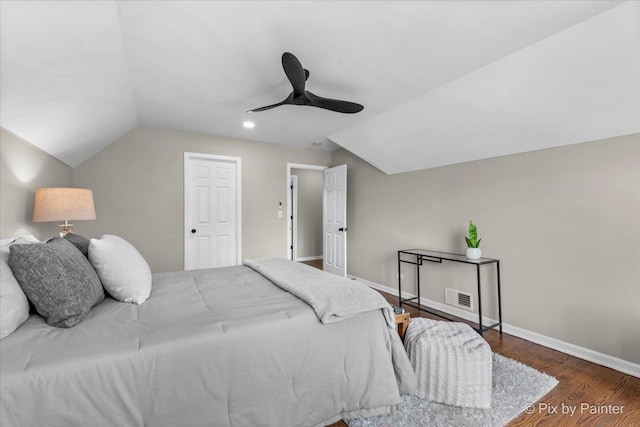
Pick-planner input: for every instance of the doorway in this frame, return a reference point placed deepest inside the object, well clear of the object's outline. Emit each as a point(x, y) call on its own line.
point(306, 214)
point(333, 213)
point(212, 211)
point(304, 206)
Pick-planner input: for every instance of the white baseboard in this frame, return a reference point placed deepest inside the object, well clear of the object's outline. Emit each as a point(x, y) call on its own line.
point(308, 258)
point(612, 362)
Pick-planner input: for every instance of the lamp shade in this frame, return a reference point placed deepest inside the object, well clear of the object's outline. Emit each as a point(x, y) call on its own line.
point(60, 204)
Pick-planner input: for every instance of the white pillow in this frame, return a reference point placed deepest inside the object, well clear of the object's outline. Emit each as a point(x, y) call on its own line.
point(26, 238)
point(14, 306)
point(124, 273)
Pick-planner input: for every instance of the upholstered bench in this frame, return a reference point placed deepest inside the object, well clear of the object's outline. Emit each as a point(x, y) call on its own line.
point(452, 362)
point(402, 319)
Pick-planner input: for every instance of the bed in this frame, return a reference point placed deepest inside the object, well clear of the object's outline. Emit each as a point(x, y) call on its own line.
point(216, 347)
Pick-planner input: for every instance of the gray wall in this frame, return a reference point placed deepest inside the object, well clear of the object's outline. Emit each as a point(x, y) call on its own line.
point(563, 221)
point(137, 183)
point(309, 233)
point(23, 168)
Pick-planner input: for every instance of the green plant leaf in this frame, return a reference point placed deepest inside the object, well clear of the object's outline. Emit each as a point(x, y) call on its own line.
point(472, 240)
point(473, 232)
point(478, 244)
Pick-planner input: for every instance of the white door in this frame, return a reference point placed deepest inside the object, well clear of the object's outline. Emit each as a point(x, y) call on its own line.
point(212, 211)
point(334, 220)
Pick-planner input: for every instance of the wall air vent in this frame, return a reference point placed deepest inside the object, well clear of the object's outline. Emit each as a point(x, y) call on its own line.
point(458, 298)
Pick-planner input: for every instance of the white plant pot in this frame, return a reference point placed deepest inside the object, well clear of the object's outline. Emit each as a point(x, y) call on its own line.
point(474, 253)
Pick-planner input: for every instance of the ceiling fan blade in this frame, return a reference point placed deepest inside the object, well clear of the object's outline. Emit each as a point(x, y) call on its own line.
point(295, 73)
point(268, 107)
point(334, 104)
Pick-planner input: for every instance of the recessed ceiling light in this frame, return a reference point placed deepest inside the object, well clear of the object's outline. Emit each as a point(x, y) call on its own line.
point(249, 125)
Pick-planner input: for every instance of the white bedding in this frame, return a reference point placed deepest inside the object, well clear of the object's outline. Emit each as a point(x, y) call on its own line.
point(333, 298)
point(219, 347)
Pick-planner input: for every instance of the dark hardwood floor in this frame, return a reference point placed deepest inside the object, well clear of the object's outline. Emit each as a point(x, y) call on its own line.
point(317, 263)
point(598, 396)
point(583, 385)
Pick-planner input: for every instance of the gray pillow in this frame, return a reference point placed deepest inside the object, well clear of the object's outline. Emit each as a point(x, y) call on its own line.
point(82, 243)
point(57, 279)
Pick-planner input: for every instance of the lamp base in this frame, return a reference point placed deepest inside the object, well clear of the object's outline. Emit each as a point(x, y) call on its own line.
point(66, 228)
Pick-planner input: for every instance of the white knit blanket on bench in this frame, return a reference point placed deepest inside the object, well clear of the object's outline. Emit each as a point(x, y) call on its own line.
point(333, 298)
point(452, 362)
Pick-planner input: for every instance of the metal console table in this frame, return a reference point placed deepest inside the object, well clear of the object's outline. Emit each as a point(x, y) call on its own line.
point(418, 256)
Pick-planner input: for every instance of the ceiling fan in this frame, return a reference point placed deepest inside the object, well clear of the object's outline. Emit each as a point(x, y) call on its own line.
point(299, 96)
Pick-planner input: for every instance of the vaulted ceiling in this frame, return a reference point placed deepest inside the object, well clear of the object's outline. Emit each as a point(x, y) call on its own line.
point(442, 82)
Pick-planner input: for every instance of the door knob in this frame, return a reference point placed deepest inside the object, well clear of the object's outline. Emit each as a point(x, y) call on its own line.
point(343, 229)
point(193, 231)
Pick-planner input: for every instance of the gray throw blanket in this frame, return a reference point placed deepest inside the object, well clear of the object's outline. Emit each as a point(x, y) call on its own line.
point(332, 297)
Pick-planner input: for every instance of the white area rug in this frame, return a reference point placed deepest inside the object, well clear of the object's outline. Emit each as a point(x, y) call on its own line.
point(514, 386)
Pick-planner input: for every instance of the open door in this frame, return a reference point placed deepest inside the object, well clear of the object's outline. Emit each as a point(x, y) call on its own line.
point(334, 221)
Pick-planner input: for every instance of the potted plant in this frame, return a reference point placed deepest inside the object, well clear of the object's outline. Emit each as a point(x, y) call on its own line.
point(473, 243)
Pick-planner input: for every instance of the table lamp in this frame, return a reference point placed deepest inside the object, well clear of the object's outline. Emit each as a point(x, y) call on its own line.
point(63, 204)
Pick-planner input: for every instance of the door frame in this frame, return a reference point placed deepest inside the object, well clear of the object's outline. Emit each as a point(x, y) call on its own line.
point(185, 228)
point(294, 207)
point(289, 225)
